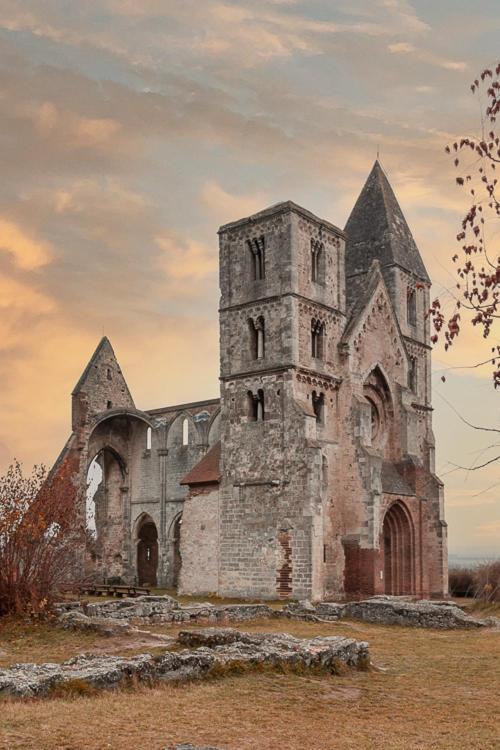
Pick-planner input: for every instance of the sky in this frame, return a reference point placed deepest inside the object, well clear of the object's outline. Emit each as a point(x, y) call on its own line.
point(130, 131)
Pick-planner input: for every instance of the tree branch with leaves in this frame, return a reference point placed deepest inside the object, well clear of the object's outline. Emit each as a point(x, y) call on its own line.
point(477, 262)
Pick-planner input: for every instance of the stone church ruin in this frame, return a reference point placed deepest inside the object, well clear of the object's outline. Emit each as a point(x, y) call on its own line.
point(312, 476)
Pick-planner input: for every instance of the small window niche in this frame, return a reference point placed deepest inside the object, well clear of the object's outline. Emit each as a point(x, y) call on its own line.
point(149, 434)
point(257, 337)
point(317, 339)
point(318, 404)
point(185, 431)
point(411, 307)
point(255, 406)
point(317, 262)
point(256, 247)
point(413, 375)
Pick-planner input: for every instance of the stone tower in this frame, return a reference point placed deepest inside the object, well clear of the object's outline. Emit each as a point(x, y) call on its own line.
point(377, 230)
point(282, 313)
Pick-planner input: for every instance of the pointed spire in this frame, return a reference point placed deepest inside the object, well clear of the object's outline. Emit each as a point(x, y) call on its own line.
point(103, 347)
point(377, 229)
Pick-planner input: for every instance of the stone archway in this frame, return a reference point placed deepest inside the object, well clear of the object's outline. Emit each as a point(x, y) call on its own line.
point(147, 552)
point(399, 555)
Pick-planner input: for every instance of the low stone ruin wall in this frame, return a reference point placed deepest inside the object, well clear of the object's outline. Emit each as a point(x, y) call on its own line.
point(388, 610)
point(385, 610)
point(217, 652)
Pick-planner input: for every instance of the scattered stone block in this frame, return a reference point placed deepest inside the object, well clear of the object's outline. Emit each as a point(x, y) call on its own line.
point(220, 653)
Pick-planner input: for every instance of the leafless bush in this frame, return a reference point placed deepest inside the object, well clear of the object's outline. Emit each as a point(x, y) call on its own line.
point(40, 538)
point(461, 582)
point(481, 582)
point(487, 581)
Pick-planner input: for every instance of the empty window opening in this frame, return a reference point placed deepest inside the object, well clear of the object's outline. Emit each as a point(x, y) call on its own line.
point(255, 406)
point(317, 262)
point(256, 247)
point(374, 419)
point(257, 337)
point(148, 439)
point(109, 374)
point(413, 374)
point(185, 431)
point(318, 404)
point(109, 405)
point(324, 553)
point(317, 338)
point(94, 479)
point(411, 307)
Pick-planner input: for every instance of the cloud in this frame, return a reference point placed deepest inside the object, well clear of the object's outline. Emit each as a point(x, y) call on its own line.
point(130, 131)
point(188, 261)
point(27, 251)
point(226, 207)
point(405, 48)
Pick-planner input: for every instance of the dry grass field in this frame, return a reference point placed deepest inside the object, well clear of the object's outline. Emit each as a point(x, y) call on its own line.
point(429, 689)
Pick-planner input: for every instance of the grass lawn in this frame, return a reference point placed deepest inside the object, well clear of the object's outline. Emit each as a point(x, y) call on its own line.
point(431, 689)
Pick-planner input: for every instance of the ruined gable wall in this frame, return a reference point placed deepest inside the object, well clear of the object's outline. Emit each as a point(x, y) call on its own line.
point(360, 503)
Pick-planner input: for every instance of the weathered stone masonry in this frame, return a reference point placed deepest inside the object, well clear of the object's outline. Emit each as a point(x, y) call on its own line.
point(313, 475)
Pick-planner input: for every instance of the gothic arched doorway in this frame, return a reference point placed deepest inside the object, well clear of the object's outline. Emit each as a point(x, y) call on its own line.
point(176, 550)
point(399, 566)
point(147, 553)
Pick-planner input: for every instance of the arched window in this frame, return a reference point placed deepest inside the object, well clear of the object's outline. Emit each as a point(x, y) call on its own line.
point(317, 262)
point(413, 374)
point(185, 431)
point(256, 247)
point(257, 337)
point(411, 307)
point(109, 374)
point(317, 339)
point(255, 406)
point(148, 439)
point(318, 404)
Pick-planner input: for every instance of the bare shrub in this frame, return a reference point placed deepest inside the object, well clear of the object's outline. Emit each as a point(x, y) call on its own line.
point(461, 582)
point(487, 581)
point(40, 538)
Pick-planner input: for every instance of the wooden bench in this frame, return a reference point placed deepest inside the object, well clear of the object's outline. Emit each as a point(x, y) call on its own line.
point(112, 590)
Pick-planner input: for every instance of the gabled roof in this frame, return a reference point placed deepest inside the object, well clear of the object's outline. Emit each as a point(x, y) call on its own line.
point(367, 285)
point(103, 344)
point(206, 471)
point(377, 229)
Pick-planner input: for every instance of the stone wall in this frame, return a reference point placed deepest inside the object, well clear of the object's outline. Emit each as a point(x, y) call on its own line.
point(200, 542)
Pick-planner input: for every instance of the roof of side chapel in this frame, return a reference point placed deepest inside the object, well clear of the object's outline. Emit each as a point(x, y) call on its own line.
point(377, 229)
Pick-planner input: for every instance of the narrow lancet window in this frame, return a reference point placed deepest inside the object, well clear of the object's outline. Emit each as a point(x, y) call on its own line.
point(318, 404)
point(148, 439)
point(413, 375)
point(185, 431)
point(317, 338)
point(256, 247)
point(317, 262)
point(411, 307)
point(257, 337)
point(255, 406)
